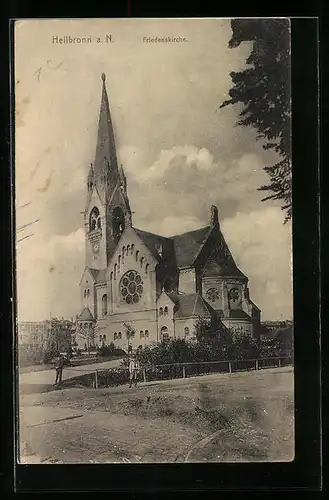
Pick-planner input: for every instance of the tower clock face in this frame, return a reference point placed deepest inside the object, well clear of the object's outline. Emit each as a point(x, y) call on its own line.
point(95, 247)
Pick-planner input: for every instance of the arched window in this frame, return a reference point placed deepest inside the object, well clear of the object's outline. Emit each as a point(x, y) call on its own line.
point(141, 334)
point(123, 251)
point(234, 294)
point(119, 335)
point(142, 261)
point(94, 220)
point(104, 338)
point(115, 335)
point(146, 268)
point(164, 333)
point(132, 248)
point(137, 254)
point(160, 311)
point(104, 305)
point(186, 330)
point(166, 311)
point(115, 271)
point(111, 276)
point(128, 249)
point(118, 222)
point(146, 333)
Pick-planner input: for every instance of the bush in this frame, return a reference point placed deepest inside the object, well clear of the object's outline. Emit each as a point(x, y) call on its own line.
point(110, 350)
point(50, 354)
point(112, 377)
point(30, 355)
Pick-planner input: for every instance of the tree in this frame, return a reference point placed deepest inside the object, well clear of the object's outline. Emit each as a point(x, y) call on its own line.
point(263, 89)
point(130, 333)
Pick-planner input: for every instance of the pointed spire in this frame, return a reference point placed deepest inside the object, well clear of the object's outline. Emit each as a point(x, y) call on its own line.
point(123, 178)
point(105, 157)
point(90, 179)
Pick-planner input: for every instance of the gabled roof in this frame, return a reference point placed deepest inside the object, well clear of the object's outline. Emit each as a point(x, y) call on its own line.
point(153, 241)
point(188, 245)
point(192, 305)
point(239, 314)
point(225, 268)
point(86, 315)
point(101, 276)
point(94, 272)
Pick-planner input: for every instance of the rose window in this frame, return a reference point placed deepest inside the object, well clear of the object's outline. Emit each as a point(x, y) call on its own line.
point(131, 287)
point(212, 294)
point(234, 294)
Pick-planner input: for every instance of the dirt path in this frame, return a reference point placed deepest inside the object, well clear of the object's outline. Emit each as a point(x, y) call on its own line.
point(217, 417)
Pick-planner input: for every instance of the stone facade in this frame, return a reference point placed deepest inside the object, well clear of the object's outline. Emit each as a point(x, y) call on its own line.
point(157, 286)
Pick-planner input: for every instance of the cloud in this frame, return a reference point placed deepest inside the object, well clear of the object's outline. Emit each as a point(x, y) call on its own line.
point(48, 274)
point(185, 181)
point(262, 248)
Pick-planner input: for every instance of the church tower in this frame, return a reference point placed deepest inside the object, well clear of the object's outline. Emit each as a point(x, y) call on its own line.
point(107, 210)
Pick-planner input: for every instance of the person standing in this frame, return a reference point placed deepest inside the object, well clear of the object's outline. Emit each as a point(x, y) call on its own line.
point(60, 362)
point(133, 371)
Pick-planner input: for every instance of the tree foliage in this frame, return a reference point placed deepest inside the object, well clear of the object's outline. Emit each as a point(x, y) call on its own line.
point(263, 90)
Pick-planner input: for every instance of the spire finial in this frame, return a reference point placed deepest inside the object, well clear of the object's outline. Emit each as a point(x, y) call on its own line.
point(103, 77)
point(214, 216)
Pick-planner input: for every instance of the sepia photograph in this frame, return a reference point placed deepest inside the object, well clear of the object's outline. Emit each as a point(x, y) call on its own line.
point(153, 245)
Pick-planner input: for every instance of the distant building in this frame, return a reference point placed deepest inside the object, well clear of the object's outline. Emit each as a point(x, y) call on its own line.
point(45, 334)
point(33, 333)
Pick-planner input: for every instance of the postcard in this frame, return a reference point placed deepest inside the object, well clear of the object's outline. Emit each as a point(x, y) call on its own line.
point(153, 240)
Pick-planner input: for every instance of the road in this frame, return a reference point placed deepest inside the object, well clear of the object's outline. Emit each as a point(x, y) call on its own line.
point(46, 378)
point(218, 417)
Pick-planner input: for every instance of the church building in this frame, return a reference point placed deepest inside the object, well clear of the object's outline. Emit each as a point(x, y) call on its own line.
point(152, 286)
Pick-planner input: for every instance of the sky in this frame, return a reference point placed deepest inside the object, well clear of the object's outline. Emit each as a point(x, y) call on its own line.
point(180, 152)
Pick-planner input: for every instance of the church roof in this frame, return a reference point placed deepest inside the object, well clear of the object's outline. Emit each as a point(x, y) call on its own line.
point(153, 241)
point(239, 314)
point(188, 245)
point(225, 268)
point(192, 305)
point(99, 275)
point(86, 315)
point(94, 272)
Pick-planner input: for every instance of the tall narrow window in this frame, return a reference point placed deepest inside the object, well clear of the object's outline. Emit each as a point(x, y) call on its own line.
point(186, 330)
point(104, 305)
point(94, 219)
point(164, 333)
point(160, 311)
point(166, 311)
